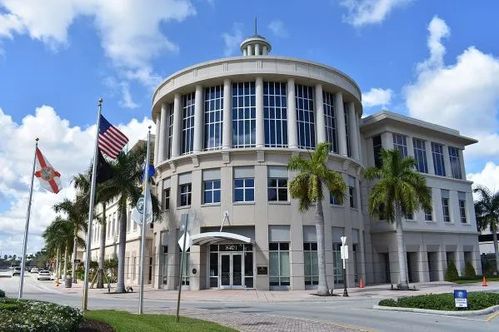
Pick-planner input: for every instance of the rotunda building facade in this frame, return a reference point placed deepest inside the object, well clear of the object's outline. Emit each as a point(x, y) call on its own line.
point(226, 130)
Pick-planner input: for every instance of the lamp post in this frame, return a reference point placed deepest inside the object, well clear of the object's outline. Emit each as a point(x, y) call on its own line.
point(344, 257)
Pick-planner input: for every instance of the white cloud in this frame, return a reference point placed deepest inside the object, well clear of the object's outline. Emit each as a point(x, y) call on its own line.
point(377, 97)
point(278, 29)
point(463, 95)
point(232, 39)
point(127, 101)
point(130, 31)
point(67, 149)
point(488, 176)
point(363, 12)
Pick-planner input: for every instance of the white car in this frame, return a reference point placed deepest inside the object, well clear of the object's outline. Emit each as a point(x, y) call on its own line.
point(43, 275)
point(34, 270)
point(16, 271)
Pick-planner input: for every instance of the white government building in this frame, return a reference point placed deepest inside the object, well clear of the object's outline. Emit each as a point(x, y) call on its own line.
point(225, 132)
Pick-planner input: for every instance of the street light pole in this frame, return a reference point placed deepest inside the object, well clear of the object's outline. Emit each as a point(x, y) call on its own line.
point(344, 257)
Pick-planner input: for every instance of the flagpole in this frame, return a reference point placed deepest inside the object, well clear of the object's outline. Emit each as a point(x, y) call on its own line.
point(144, 218)
point(26, 227)
point(91, 209)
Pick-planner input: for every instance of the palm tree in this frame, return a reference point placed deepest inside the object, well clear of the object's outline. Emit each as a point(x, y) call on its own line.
point(125, 184)
point(307, 187)
point(487, 214)
point(399, 191)
point(76, 213)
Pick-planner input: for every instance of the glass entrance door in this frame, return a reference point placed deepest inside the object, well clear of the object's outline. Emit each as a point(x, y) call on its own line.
point(231, 270)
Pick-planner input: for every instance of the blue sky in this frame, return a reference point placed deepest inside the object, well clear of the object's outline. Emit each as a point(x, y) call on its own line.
point(435, 60)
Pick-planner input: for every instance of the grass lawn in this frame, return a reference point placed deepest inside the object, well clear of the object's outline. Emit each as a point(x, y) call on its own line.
point(125, 321)
point(478, 279)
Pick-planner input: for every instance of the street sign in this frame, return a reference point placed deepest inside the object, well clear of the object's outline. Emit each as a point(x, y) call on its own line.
point(461, 298)
point(344, 251)
point(187, 241)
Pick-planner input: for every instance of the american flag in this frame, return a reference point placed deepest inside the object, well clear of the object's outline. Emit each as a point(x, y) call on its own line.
point(111, 140)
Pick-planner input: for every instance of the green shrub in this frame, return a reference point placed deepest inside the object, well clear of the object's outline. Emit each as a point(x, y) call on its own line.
point(476, 301)
point(451, 273)
point(29, 315)
point(469, 271)
point(2, 293)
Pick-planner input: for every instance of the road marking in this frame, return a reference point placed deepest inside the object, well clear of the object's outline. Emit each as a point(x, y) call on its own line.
point(492, 316)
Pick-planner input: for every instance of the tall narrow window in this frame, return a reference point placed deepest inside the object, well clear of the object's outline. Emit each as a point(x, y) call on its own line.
point(377, 147)
point(166, 194)
point(428, 213)
point(330, 119)
point(277, 184)
point(437, 151)
point(244, 184)
point(305, 116)
point(243, 115)
point(211, 186)
point(170, 130)
point(347, 129)
point(184, 189)
point(310, 262)
point(275, 114)
point(279, 264)
point(400, 144)
point(462, 206)
point(420, 155)
point(445, 205)
point(455, 163)
point(187, 123)
point(352, 192)
point(213, 117)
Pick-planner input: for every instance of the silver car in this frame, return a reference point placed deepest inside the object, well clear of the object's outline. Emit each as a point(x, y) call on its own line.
point(43, 275)
point(16, 270)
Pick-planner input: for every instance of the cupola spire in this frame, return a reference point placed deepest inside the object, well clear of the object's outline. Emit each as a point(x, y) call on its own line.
point(256, 44)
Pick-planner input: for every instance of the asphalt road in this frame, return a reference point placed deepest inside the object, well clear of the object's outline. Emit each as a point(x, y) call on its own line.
point(356, 313)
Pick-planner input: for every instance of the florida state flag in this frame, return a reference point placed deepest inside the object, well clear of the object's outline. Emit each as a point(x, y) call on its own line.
point(48, 176)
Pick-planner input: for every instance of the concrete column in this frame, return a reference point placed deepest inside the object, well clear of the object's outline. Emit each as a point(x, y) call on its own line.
point(340, 121)
point(260, 125)
point(177, 126)
point(429, 157)
point(249, 50)
point(257, 49)
point(448, 171)
point(410, 146)
point(198, 119)
point(265, 50)
point(292, 124)
point(461, 161)
point(162, 133)
point(387, 141)
point(423, 267)
point(156, 139)
point(319, 113)
point(354, 138)
point(227, 116)
point(245, 52)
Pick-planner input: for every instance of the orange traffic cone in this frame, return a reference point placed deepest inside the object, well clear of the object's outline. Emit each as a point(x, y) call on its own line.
point(361, 283)
point(484, 282)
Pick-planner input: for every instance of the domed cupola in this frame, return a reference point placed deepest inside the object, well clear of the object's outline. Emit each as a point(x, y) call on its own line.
point(255, 45)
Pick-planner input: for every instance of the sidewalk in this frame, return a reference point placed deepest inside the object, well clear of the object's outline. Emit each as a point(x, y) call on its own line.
point(263, 296)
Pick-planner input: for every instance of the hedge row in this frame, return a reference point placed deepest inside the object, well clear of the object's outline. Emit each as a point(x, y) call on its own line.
point(29, 315)
point(476, 301)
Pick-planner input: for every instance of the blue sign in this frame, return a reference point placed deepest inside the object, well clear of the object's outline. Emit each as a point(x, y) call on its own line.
point(461, 298)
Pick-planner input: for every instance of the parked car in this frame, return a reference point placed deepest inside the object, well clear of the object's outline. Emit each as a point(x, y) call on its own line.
point(16, 270)
point(34, 270)
point(43, 275)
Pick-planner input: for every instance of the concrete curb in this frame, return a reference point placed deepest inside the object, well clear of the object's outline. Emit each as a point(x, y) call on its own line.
point(441, 312)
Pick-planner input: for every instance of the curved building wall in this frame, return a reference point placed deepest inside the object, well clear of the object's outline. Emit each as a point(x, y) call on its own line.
point(239, 121)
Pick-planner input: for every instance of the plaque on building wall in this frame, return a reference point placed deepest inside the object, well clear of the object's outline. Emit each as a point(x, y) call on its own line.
point(261, 270)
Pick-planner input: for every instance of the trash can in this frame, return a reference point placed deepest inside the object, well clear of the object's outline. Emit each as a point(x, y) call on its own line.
point(68, 282)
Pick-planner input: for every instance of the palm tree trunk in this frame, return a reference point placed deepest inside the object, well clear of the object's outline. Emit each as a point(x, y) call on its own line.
point(120, 287)
point(322, 288)
point(73, 258)
point(403, 282)
point(100, 272)
point(494, 237)
point(65, 262)
point(57, 264)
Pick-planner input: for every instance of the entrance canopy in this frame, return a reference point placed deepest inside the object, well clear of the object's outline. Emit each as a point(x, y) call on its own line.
point(217, 237)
